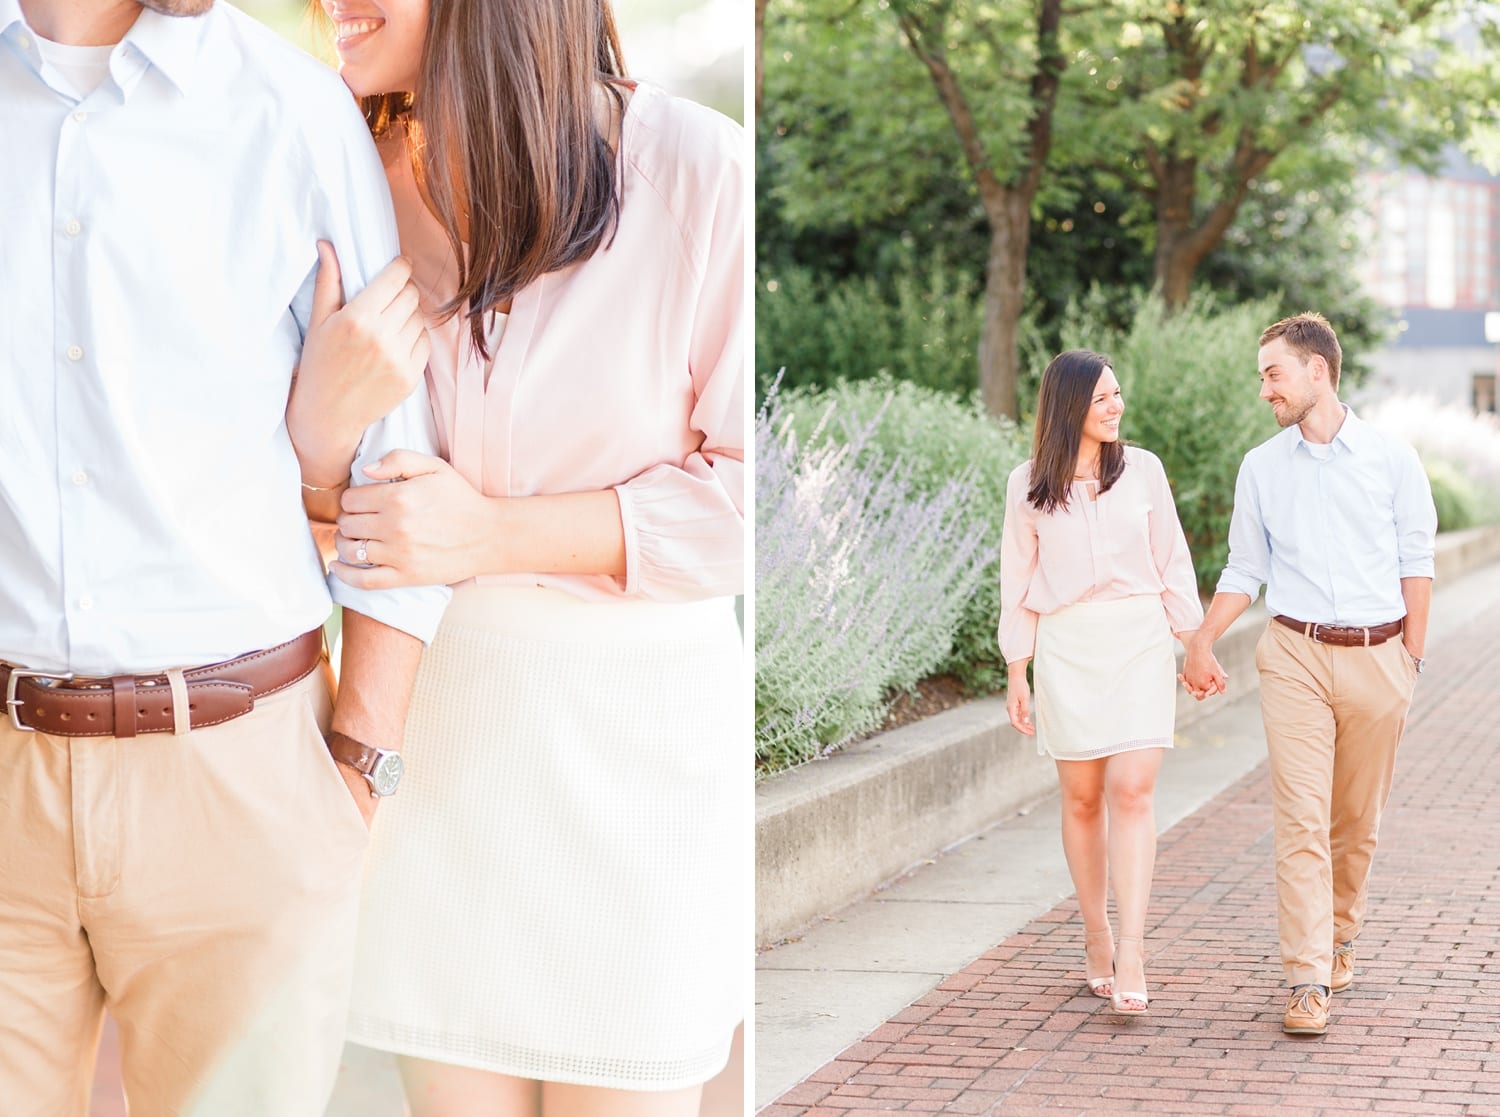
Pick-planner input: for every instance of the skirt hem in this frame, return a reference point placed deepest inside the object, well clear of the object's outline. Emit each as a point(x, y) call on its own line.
point(1111, 750)
point(569, 1069)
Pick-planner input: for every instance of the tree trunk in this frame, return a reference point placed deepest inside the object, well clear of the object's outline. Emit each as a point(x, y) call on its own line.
point(1176, 191)
point(1004, 300)
point(1175, 266)
point(760, 40)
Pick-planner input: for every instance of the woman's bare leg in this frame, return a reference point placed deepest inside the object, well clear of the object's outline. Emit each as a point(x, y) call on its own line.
point(1129, 789)
point(443, 1090)
point(1084, 845)
point(561, 1100)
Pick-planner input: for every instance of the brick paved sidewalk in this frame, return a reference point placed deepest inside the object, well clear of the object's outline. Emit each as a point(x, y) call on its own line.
point(1419, 1032)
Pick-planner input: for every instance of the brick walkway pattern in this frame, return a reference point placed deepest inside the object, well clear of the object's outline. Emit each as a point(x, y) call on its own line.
point(1418, 1033)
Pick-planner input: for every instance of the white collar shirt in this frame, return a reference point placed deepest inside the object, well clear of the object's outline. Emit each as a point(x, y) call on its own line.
point(1331, 535)
point(157, 254)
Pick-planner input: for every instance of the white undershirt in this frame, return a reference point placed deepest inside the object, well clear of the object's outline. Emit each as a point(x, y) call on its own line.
point(84, 67)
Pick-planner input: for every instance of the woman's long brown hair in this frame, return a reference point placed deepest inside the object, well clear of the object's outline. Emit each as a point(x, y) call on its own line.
point(1062, 405)
point(503, 138)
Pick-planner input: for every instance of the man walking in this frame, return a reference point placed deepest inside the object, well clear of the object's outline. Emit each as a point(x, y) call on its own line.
point(1336, 520)
point(180, 846)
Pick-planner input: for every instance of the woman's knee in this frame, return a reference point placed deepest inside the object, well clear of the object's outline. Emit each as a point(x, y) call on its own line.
point(1084, 804)
point(1131, 796)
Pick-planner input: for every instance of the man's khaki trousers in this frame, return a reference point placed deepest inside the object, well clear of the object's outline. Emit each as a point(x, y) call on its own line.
point(204, 889)
point(1333, 718)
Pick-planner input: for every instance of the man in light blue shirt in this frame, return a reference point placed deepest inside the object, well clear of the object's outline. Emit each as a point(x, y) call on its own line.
point(1336, 520)
point(181, 848)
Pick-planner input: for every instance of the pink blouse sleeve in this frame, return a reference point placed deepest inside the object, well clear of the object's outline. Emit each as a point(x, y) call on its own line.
point(685, 525)
point(1018, 557)
point(1169, 551)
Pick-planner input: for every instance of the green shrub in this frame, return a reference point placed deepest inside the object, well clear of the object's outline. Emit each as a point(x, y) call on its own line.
point(937, 437)
point(861, 578)
point(1192, 398)
point(1455, 496)
point(923, 328)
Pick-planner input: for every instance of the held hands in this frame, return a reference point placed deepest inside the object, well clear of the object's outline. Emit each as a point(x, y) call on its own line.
point(428, 528)
point(359, 360)
point(1201, 673)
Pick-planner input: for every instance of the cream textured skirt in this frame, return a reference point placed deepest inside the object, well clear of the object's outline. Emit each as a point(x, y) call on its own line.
point(557, 890)
point(1106, 679)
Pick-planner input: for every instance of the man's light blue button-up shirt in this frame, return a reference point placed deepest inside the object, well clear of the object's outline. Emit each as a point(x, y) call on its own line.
point(157, 252)
point(1331, 537)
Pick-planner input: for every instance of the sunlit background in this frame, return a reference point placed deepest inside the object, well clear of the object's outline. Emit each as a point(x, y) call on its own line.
point(693, 48)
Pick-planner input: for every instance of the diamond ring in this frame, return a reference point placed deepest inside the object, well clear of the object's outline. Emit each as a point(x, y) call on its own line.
point(362, 556)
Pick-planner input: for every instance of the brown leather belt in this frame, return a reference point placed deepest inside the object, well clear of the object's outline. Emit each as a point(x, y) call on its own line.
point(1343, 635)
point(124, 705)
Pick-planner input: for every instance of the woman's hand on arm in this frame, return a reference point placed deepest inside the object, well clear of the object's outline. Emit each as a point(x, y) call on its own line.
point(359, 362)
point(429, 526)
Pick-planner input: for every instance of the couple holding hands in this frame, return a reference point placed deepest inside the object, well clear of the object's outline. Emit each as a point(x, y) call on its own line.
point(1336, 520)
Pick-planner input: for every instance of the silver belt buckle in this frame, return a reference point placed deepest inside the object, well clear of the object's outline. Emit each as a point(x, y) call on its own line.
point(13, 704)
point(1315, 628)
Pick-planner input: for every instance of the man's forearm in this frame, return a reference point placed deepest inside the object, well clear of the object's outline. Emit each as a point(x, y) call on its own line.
point(1417, 593)
point(1223, 612)
point(376, 675)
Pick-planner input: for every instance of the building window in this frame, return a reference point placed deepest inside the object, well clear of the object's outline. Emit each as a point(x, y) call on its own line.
point(1484, 393)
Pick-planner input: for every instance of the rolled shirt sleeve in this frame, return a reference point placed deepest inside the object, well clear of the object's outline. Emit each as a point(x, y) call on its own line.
point(1018, 560)
point(1249, 564)
point(1416, 518)
point(355, 210)
point(685, 525)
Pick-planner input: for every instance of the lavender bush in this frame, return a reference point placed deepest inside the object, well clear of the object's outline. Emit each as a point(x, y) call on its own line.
point(861, 579)
point(939, 437)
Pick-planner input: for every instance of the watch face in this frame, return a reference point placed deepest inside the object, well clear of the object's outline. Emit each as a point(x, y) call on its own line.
point(387, 774)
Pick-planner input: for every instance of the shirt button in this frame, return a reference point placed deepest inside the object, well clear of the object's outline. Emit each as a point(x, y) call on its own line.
point(23, 42)
point(75, 353)
point(74, 227)
point(85, 603)
point(80, 117)
point(80, 477)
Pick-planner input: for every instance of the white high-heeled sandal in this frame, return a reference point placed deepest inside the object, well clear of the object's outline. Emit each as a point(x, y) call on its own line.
point(1118, 998)
point(1096, 984)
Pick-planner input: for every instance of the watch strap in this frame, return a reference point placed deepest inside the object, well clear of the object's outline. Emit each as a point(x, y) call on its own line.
point(353, 754)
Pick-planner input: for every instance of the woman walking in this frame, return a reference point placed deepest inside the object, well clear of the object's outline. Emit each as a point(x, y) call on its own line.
point(1095, 579)
point(551, 922)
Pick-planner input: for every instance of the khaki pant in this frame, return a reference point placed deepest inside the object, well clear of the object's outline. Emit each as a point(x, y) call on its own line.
point(1333, 718)
point(204, 889)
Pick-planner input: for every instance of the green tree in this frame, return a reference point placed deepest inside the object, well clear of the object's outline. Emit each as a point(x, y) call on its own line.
point(994, 71)
point(1193, 103)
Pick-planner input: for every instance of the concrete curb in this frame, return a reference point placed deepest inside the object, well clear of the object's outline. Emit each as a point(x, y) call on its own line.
point(831, 831)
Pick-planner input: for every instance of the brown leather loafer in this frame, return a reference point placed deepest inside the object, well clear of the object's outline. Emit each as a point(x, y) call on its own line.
point(1306, 1011)
point(1343, 967)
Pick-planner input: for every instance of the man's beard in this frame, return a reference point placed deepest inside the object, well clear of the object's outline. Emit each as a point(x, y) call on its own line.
point(178, 7)
point(1294, 411)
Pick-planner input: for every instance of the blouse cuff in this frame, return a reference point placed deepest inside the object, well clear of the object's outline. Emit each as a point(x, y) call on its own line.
point(1017, 636)
point(684, 535)
point(1183, 613)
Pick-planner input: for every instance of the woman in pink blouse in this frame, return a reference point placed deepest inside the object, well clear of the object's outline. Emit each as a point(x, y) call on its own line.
point(1095, 579)
point(553, 915)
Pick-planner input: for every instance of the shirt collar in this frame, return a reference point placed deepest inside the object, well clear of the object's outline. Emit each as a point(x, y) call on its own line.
point(1353, 433)
point(170, 43)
